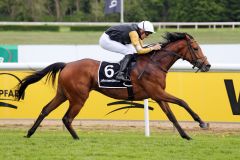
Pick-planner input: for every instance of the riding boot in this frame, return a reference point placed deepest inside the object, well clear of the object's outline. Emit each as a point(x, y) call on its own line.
point(123, 65)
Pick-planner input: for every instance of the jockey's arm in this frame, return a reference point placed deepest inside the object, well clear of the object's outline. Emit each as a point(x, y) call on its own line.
point(138, 44)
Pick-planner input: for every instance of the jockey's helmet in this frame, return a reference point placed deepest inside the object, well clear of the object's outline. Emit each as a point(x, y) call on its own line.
point(146, 26)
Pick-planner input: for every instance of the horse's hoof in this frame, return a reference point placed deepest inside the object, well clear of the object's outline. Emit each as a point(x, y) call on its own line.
point(187, 137)
point(27, 136)
point(204, 125)
point(76, 138)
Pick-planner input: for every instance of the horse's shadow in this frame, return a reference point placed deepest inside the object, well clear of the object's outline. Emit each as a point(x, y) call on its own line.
point(130, 105)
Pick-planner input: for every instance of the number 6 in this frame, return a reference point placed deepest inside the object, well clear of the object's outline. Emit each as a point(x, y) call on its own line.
point(109, 72)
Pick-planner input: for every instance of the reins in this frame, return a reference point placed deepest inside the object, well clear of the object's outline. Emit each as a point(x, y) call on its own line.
point(171, 53)
point(151, 58)
point(174, 54)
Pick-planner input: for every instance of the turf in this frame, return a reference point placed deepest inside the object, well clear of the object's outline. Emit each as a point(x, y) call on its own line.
point(203, 36)
point(116, 145)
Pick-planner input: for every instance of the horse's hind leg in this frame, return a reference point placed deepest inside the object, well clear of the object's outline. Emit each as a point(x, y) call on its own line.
point(68, 118)
point(166, 109)
point(53, 104)
point(75, 106)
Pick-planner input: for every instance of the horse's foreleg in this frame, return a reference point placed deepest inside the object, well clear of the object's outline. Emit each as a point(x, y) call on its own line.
point(169, 98)
point(166, 109)
point(194, 115)
point(45, 111)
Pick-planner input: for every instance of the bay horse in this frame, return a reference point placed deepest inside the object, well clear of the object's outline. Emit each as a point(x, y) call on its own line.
point(148, 76)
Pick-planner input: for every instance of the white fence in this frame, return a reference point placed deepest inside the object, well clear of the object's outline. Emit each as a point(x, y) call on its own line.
point(223, 57)
point(177, 25)
point(196, 25)
point(184, 67)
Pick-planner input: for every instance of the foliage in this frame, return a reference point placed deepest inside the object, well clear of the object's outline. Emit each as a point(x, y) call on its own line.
point(232, 11)
point(134, 10)
point(196, 11)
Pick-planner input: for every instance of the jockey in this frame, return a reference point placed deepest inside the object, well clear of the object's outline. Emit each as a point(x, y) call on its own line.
point(127, 40)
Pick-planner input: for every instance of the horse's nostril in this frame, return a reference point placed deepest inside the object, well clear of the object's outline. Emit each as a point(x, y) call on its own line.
point(208, 66)
point(205, 68)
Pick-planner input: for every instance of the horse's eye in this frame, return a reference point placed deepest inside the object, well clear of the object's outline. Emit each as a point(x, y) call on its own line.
point(195, 49)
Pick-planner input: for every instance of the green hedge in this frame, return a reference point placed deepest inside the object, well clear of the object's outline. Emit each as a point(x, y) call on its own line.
point(29, 28)
point(89, 28)
point(53, 28)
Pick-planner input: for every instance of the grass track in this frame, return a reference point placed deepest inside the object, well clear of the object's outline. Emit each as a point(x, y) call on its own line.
point(112, 145)
point(203, 36)
point(116, 145)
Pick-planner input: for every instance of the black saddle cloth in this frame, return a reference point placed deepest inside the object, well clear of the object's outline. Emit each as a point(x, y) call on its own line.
point(107, 76)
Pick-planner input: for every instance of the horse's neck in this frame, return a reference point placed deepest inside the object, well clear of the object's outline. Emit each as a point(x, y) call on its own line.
point(164, 58)
point(168, 55)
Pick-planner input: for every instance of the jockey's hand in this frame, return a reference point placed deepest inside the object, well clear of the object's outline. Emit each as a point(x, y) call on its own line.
point(156, 47)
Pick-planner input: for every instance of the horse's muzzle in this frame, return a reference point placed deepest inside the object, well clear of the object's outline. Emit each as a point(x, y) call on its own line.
point(205, 68)
point(203, 65)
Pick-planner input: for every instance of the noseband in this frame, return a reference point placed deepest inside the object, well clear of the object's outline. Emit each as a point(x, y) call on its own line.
point(195, 61)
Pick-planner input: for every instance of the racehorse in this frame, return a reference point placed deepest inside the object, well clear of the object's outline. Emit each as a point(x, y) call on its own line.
point(148, 77)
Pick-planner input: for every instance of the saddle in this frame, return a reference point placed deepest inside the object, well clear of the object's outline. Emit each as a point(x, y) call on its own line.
point(107, 72)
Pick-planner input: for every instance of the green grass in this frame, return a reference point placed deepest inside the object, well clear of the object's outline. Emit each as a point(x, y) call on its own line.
point(116, 145)
point(41, 37)
point(203, 36)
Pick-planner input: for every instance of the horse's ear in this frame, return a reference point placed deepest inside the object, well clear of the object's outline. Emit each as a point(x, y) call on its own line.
point(187, 37)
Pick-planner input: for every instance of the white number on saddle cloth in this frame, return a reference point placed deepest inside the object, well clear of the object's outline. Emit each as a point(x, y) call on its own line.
point(109, 72)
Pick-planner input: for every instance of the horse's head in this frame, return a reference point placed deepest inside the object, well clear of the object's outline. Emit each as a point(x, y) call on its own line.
point(195, 55)
point(188, 49)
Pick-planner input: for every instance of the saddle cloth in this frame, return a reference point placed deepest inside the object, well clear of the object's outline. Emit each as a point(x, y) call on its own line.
point(107, 76)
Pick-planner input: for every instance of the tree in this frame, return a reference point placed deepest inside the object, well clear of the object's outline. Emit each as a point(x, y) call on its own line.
point(195, 11)
point(232, 11)
point(156, 10)
point(28, 10)
point(135, 10)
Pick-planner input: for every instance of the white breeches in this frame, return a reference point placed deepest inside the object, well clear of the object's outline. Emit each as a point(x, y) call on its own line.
point(114, 46)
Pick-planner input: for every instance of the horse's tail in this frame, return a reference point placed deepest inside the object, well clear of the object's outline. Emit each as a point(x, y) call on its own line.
point(51, 72)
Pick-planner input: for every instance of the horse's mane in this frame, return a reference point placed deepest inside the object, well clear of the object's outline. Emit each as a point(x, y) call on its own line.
point(170, 37)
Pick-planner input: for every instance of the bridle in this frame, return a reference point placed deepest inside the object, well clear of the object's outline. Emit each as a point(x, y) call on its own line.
point(195, 61)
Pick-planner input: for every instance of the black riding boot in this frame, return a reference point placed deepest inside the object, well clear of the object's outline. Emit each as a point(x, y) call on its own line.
point(123, 65)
